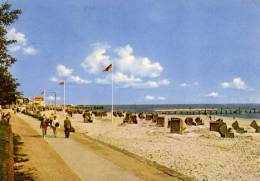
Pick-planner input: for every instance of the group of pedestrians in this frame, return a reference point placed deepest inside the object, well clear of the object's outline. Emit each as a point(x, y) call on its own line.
point(53, 123)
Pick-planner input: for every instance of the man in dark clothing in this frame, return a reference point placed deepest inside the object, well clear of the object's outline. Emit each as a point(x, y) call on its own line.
point(67, 127)
point(44, 126)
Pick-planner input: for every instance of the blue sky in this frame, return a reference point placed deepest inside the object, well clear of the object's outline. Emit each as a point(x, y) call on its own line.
point(171, 51)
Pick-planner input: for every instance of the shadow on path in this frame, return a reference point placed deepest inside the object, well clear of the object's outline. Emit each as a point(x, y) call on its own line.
point(19, 158)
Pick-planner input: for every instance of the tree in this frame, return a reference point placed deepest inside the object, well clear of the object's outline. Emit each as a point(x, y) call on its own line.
point(8, 88)
point(7, 17)
point(8, 84)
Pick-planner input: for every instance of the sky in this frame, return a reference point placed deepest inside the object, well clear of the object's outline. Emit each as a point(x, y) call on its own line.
point(163, 52)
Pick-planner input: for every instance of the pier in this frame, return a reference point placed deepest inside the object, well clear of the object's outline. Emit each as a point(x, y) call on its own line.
point(208, 111)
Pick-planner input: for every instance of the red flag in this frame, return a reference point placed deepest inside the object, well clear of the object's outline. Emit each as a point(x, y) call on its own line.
point(61, 82)
point(108, 68)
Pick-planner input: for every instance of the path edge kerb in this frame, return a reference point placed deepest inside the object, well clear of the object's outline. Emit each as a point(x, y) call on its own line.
point(10, 154)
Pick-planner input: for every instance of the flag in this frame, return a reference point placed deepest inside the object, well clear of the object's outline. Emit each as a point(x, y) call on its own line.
point(61, 82)
point(43, 92)
point(108, 68)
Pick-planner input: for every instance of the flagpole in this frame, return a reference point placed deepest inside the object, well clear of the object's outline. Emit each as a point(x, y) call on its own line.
point(112, 92)
point(44, 97)
point(64, 101)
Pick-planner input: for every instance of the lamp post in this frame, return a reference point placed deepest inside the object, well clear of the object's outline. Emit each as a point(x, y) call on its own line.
point(55, 96)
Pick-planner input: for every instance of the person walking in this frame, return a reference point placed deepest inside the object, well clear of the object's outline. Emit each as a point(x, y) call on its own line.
point(67, 127)
point(44, 125)
point(54, 125)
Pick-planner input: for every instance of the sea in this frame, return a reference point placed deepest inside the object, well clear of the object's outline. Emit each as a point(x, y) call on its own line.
point(247, 110)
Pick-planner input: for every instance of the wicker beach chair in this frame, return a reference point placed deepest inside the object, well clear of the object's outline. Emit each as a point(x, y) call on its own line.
point(120, 114)
point(94, 113)
point(104, 114)
point(133, 119)
point(149, 117)
point(255, 126)
point(189, 121)
point(87, 117)
point(176, 125)
point(238, 129)
point(141, 115)
point(199, 121)
point(225, 132)
point(155, 117)
point(99, 114)
point(127, 117)
point(214, 125)
point(160, 122)
point(115, 114)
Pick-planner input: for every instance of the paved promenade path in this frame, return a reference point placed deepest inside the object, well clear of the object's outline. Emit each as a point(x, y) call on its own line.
point(44, 163)
point(89, 160)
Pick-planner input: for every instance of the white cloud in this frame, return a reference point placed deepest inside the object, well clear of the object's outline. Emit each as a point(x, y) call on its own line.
point(153, 84)
point(97, 60)
point(138, 66)
point(78, 80)
point(127, 81)
point(130, 71)
point(147, 84)
point(53, 79)
point(21, 43)
point(161, 98)
point(12, 34)
point(213, 94)
point(124, 62)
point(30, 50)
point(123, 78)
point(118, 78)
point(189, 84)
point(164, 82)
point(239, 84)
point(225, 84)
point(184, 85)
point(63, 71)
point(236, 83)
point(148, 97)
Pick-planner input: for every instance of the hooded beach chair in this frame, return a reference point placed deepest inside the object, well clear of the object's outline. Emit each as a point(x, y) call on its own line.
point(238, 129)
point(225, 132)
point(176, 125)
point(214, 125)
point(160, 122)
point(141, 115)
point(199, 121)
point(149, 117)
point(189, 121)
point(255, 126)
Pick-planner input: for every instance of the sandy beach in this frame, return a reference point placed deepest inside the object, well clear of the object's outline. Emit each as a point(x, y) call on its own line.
point(198, 153)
